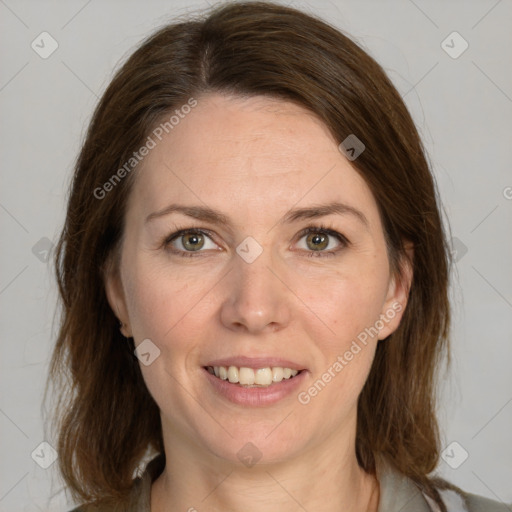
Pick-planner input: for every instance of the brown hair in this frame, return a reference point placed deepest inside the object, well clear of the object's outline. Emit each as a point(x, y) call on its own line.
point(106, 418)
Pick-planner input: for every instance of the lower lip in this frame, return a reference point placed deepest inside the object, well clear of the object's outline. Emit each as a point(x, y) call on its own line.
point(255, 397)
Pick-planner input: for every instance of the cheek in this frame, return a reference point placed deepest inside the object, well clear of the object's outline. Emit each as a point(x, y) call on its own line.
point(344, 347)
point(345, 304)
point(161, 304)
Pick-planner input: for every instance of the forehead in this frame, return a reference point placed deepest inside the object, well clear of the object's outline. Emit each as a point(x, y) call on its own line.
point(256, 153)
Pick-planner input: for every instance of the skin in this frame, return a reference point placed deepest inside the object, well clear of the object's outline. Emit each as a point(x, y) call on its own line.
point(254, 159)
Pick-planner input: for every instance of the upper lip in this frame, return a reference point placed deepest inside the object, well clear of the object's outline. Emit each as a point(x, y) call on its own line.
point(256, 362)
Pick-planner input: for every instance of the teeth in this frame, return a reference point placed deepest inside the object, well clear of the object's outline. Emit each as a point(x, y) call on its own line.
point(262, 377)
point(232, 374)
point(277, 374)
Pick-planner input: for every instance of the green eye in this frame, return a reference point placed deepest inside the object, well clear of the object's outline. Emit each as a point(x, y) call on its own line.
point(192, 240)
point(318, 238)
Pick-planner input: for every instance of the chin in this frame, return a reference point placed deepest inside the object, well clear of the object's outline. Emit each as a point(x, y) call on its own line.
point(257, 444)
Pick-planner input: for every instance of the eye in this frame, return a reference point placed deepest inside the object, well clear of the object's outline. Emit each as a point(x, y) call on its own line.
point(318, 238)
point(190, 240)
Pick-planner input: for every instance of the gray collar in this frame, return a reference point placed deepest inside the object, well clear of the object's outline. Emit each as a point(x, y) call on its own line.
point(398, 492)
point(141, 492)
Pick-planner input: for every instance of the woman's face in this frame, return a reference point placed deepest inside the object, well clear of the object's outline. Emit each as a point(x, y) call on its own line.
point(250, 288)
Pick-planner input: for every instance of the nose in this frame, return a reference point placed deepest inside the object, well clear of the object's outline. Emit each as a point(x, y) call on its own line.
point(258, 298)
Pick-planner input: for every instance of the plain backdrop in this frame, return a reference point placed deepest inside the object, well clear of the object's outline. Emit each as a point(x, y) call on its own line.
point(461, 103)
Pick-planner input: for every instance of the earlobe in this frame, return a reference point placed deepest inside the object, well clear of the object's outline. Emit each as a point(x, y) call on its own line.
point(398, 295)
point(116, 298)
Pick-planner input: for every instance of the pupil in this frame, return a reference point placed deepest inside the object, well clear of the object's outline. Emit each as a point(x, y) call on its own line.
point(317, 240)
point(191, 240)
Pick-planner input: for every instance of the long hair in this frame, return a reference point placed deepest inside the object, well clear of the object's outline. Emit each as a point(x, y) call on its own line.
point(105, 417)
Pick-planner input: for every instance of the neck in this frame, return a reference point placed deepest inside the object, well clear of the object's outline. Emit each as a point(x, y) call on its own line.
point(196, 480)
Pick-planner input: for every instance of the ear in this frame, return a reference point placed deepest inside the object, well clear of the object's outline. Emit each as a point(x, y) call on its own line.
point(398, 294)
point(115, 295)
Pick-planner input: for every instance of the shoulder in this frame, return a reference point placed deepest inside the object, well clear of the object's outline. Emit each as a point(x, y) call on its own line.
point(476, 503)
point(399, 492)
point(140, 494)
point(134, 504)
point(457, 500)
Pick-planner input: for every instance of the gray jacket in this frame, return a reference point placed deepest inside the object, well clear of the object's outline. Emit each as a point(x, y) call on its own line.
point(398, 493)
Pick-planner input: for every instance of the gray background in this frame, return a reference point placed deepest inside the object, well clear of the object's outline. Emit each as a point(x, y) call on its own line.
point(462, 107)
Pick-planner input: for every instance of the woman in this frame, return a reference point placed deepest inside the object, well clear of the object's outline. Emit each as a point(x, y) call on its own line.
point(254, 276)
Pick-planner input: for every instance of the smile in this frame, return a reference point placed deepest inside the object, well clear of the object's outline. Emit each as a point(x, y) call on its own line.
point(249, 377)
point(254, 387)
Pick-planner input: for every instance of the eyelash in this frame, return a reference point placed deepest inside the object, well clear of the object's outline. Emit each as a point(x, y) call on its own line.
point(306, 231)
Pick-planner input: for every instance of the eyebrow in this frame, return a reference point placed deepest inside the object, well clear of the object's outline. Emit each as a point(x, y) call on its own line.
point(208, 214)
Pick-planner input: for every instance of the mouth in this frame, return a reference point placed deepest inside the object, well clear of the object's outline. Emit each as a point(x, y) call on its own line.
point(246, 377)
